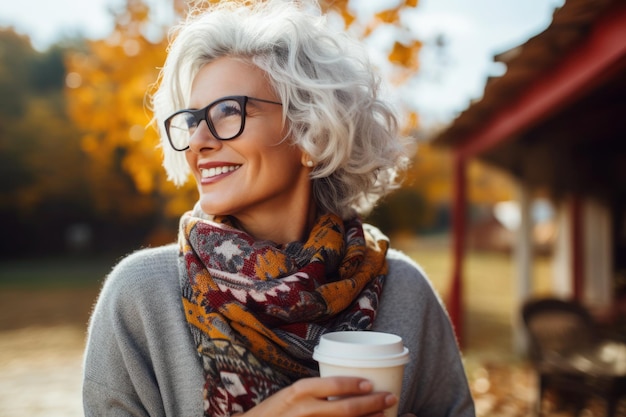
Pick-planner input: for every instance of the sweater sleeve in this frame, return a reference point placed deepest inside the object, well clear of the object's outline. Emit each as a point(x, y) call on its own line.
point(435, 383)
point(139, 359)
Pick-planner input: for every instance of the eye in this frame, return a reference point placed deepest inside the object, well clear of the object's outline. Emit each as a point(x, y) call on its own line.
point(183, 122)
point(190, 121)
point(224, 110)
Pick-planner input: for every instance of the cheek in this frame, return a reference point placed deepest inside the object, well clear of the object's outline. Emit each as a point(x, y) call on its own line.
point(282, 161)
point(191, 159)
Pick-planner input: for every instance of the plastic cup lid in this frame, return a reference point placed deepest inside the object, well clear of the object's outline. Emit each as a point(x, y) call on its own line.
point(362, 349)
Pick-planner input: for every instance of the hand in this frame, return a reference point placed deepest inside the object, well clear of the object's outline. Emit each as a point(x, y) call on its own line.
point(308, 398)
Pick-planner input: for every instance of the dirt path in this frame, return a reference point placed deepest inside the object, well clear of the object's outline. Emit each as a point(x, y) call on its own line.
point(40, 372)
point(20, 308)
point(42, 335)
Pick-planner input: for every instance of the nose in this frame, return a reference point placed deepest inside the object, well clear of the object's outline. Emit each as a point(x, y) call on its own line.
point(203, 139)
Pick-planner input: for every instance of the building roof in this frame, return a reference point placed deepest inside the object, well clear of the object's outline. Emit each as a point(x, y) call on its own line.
point(557, 117)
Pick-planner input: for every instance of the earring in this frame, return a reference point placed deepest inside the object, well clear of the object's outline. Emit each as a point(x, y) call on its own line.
point(309, 163)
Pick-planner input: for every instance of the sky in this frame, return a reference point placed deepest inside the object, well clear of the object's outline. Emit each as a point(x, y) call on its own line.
point(449, 77)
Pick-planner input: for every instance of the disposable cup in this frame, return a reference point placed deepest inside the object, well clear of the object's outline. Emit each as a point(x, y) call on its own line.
point(378, 357)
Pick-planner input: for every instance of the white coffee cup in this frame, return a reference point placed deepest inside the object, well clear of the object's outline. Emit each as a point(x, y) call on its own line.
point(378, 357)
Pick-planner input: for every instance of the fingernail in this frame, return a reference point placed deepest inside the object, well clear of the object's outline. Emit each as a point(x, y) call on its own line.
point(391, 399)
point(365, 386)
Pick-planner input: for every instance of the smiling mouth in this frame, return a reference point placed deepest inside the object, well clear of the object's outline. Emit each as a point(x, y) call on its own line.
point(214, 172)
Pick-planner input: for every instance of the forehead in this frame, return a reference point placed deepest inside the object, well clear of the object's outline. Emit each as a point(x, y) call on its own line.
point(227, 77)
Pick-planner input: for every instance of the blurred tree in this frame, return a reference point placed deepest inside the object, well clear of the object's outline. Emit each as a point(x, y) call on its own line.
point(431, 174)
point(427, 189)
point(47, 72)
point(41, 181)
point(16, 59)
point(401, 212)
point(106, 84)
point(488, 185)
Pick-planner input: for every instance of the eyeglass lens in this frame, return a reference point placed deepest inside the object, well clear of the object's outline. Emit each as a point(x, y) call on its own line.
point(224, 119)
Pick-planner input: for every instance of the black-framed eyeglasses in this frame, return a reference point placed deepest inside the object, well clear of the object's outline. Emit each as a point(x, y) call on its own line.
point(225, 117)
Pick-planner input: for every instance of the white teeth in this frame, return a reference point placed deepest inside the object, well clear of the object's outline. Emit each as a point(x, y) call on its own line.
point(212, 172)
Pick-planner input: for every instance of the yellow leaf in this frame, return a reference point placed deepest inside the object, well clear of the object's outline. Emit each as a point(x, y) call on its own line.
point(412, 121)
point(348, 17)
point(399, 54)
point(388, 16)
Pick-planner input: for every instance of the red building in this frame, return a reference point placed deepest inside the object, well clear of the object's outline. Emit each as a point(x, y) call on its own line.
point(556, 121)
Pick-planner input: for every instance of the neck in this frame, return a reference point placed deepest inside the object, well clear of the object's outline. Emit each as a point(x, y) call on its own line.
point(278, 228)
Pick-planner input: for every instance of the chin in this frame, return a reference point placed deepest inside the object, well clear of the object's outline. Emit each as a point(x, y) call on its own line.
point(210, 209)
point(206, 208)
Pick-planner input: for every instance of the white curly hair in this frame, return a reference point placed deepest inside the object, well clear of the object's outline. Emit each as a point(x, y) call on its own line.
point(328, 87)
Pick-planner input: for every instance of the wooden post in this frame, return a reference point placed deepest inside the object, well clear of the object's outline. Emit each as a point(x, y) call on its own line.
point(523, 256)
point(455, 301)
point(577, 248)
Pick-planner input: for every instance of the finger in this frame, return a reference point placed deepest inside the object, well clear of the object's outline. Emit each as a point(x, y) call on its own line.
point(362, 405)
point(336, 386)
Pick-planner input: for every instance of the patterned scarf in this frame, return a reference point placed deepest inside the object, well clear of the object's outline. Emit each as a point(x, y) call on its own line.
point(256, 310)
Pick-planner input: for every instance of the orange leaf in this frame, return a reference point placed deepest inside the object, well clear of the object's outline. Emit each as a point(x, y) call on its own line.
point(388, 16)
point(348, 17)
point(405, 56)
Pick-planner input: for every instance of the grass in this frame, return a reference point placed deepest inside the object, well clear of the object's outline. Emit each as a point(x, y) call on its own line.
point(490, 304)
point(55, 273)
point(46, 292)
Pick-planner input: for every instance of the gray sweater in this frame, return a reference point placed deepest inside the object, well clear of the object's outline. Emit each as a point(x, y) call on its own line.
point(140, 358)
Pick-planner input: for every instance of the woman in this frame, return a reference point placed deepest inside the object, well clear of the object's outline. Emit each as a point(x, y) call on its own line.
point(278, 121)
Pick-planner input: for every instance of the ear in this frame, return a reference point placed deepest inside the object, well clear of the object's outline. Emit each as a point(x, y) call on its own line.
point(306, 161)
